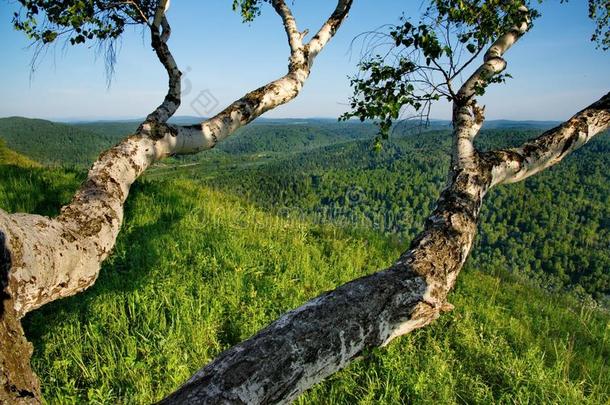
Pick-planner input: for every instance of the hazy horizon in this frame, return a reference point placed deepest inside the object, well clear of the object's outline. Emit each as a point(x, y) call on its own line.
point(77, 120)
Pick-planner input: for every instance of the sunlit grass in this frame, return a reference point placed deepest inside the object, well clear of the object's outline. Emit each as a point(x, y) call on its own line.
point(196, 271)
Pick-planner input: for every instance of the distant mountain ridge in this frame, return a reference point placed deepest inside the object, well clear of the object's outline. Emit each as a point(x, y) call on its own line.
point(189, 120)
point(79, 143)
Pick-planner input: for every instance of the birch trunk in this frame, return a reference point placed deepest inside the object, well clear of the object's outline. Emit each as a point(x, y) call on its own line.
point(325, 334)
point(44, 259)
point(321, 337)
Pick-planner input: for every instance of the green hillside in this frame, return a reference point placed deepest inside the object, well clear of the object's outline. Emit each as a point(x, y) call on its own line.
point(52, 143)
point(213, 249)
point(114, 129)
point(296, 137)
point(197, 270)
point(10, 157)
point(552, 230)
point(80, 143)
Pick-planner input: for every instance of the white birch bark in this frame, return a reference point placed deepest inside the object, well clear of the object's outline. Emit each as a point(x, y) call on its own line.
point(321, 337)
point(50, 258)
point(44, 259)
point(57, 257)
point(325, 334)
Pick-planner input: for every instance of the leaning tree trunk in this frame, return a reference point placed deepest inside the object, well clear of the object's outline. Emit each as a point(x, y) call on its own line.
point(325, 334)
point(17, 382)
point(321, 337)
point(308, 344)
point(43, 259)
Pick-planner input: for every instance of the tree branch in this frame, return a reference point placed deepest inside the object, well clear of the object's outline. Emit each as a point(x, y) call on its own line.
point(467, 121)
point(44, 259)
point(56, 258)
point(517, 164)
point(159, 13)
point(493, 62)
point(328, 29)
point(160, 31)
point(468, 116)
point(295, 38)
point(194, 139)
point(325, 334)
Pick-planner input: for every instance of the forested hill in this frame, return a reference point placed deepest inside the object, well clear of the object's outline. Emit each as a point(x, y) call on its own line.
point(216, 246)
point(80, 143)
point(552, 230)
point(52, 143)
point(203, 263)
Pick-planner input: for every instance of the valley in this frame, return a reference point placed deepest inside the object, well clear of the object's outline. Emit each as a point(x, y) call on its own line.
point(216, 246)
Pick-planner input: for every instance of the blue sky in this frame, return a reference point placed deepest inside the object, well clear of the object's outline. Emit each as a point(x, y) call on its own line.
point(556, 70)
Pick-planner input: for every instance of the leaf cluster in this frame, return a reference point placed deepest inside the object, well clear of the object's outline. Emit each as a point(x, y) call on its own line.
point(45, 21)
point(480, 22)
point(599, 11)
point(248, 9)
point(425, 58)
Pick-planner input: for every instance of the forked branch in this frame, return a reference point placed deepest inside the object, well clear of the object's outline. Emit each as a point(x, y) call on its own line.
point(468, 116)
point(517, 164)
point(52, 258)
point(322, 336)
point(59, 257)
point(160, 32)
point(194, 139)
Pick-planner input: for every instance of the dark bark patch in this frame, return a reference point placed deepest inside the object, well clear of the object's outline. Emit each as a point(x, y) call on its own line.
point(68, 236)
point(18, 383)
point(157, 130)
point(568, 144)
point(5, 267)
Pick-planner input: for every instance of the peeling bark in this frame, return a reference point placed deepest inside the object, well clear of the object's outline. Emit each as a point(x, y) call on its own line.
point(59, 257)
point(516, 164)
point(301, 349)
point(321, 337)
point(18, 384)
point(324, 335)
point(44, 259)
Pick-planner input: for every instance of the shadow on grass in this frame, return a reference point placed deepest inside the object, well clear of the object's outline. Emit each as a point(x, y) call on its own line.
point(128, 267)
point(37, 190)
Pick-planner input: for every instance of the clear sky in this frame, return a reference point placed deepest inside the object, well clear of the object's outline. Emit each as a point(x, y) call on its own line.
point(556, 69)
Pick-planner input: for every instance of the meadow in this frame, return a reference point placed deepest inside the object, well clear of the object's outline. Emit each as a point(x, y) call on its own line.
point(208, 255)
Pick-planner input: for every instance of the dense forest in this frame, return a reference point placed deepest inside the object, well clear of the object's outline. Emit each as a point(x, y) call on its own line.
point(392, 190)
point(326, 171)
point(215, 246)
point(53, 143)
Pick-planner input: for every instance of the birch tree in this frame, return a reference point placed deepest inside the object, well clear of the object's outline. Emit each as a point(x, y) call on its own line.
point(43, 259)
point(325, 334)
point(48, 258)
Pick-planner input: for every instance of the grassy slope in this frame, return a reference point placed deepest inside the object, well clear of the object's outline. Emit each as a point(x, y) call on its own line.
point(196, 270)
point(52, 143)
point(10, 157)
point(394, 190)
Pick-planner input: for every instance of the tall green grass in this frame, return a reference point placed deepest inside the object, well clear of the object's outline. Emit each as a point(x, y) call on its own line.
point(196, 271)
point(10, 157)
